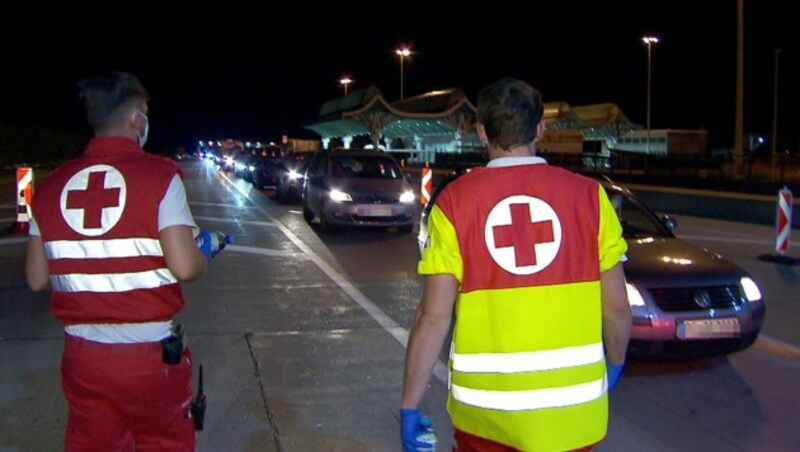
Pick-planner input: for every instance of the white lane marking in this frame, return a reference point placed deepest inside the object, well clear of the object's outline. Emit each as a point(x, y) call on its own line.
point(262, 251)
point(216, 204)
point(726, 239)
point(234, 220)
point(393, 328)
point(777, 347)
point(14, 241)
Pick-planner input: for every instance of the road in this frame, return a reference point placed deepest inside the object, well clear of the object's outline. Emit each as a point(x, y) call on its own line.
point(301, 334)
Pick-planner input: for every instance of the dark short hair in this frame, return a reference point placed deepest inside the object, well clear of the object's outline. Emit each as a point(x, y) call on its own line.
point(510, 111)
point(105, 95)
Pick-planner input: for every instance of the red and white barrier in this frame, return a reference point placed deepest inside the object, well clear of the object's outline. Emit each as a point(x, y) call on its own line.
point(783, 221)
point(427, 185)
point(24, 196)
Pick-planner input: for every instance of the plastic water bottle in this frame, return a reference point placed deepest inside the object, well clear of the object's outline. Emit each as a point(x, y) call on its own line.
point(219, 240)
point(426, 434)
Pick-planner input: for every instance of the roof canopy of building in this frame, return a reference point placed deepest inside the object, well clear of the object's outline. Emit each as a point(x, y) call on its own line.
point(597, 122)
point(367, 112)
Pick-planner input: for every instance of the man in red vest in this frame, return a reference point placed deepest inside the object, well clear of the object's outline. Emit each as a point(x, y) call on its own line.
point(112, 235)
point(530, 257)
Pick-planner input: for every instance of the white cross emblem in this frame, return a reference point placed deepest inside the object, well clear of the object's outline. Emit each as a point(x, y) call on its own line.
point(523, 234)
point(93, 200)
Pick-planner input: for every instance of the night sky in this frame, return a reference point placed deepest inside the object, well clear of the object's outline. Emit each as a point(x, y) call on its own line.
point(256, 76)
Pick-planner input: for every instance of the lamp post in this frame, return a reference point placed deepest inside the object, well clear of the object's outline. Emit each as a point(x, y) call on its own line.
point(774, 153)
point(649, 41)
point(402, 52)
point(345, 81)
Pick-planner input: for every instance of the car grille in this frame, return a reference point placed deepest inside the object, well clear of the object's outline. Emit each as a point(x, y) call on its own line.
point(697, 298)
point(373, 199)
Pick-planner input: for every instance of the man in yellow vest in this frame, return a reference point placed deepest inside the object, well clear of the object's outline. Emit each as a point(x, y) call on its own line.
point(531, 258)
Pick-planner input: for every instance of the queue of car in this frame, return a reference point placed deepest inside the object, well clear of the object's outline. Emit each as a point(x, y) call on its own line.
point(343, 187)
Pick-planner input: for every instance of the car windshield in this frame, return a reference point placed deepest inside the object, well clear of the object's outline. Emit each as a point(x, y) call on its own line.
point(636, 219)
point(366, 167)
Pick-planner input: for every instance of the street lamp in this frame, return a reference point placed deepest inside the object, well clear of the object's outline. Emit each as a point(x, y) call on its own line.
point(649, 41)
point(402, 52)
point(774, 153)
point(345, 81)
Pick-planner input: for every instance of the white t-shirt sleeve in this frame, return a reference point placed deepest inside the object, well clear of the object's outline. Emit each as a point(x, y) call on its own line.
point(174, 209)
point(33, 228)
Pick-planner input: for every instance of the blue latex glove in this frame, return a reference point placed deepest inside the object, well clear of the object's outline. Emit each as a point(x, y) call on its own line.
point(614, 372)
point(203, 241)
point(211, 243)
point(410, 429)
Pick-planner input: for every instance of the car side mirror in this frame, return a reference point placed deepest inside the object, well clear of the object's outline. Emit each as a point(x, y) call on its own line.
point(669, 222)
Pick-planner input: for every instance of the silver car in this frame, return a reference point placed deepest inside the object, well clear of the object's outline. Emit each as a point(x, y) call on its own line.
point(685, 300)
point(358, 188)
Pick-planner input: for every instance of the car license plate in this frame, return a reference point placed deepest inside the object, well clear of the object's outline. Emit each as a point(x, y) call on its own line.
point(708, 328)
point(377, 211)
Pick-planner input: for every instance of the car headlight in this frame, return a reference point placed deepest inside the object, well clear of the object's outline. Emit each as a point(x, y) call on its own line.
point(751, 290)
point(340, 196)
point(228, 161)
point(294, 175)
point(251, 168)
point(407, 197)
point(634, 297)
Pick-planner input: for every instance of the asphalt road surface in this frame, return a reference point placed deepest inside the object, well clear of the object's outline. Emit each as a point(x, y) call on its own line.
point(302, 335)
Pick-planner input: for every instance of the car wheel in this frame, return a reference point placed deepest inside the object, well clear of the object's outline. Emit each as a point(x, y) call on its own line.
point(308, 215)
point(405, 229)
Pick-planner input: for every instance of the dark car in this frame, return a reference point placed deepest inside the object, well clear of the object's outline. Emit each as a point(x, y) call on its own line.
point(290, 176)
point(685, 300)
point(265, 168)
point(358, 188)
point(244, 164)
point(227, 158)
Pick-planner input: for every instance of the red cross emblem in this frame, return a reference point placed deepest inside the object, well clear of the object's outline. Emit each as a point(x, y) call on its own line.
point(523, 234)
point(93, 200)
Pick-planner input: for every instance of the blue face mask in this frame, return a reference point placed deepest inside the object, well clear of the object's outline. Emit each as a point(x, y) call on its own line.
point(142, 137)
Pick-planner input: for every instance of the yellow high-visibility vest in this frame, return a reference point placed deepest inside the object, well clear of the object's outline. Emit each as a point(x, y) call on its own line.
point(528, 244)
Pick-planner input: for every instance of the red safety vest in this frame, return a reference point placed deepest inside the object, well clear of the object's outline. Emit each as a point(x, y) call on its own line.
point(98, 218)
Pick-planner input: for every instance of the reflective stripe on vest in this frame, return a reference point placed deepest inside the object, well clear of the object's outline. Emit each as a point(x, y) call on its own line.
point(533, 399)
point(98, 249)
point(122, 333)
point(116, 282)
point(528, 361)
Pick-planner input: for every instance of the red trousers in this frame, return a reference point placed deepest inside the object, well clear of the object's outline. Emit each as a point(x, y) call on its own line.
point(122, 397)
point(464, 442)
